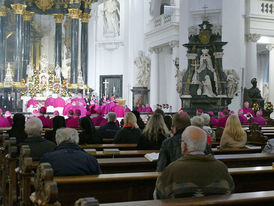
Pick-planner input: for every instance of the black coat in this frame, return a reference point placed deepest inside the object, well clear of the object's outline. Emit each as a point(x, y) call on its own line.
point(128, 135)
point(145, 144)
point(38, 147)
point(69, 159)
point(7, 106)
point(109, 130)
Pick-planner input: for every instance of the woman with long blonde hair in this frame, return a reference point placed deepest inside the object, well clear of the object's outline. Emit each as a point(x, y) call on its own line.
point(233, 135)
point(154, 133)
point(130, 133)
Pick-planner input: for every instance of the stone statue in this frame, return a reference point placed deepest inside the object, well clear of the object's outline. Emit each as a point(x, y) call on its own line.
point(57, 72)
point(233, 82)
point(65, 71)
point(179, 76)
point(29, 71)
point(112, 18)
point(8, 81)
point(205, 61)
point(266, 92)
point(207, 87)
point(255, 94)
point(44, 64)
point(143, 63)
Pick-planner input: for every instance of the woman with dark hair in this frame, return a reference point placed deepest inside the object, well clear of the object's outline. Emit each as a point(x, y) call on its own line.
point(88, 134)
point(18, 128)
point(140, 122)
point(58, 122)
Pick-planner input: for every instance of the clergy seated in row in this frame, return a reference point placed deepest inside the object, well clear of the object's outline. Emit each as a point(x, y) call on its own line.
point(222, 120)
point(8, 117)
point(154, 133)
point(88, 134)
point(242, 117)
point(18, 128)
point(118, 110)
point(110, 129)
point(73, 119)
point(248, 111)
point(130, 133)
point(233, 136)
point(259, 119)
point(194, 173)
point(37, 144)
point(198, 121)
point(45, 120)
point(171, 147)
point(57, 122)
point(4, 122)
point(69, 159)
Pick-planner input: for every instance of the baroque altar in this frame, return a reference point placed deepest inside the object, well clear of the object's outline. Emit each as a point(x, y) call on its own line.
point(205, 85)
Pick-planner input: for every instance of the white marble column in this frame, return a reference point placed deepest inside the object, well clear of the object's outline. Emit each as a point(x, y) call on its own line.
point(154, 77)
point(174, 100)
point(251, 58)
point(271, 72)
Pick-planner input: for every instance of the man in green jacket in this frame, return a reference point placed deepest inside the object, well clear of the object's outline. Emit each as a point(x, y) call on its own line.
point(195, 173)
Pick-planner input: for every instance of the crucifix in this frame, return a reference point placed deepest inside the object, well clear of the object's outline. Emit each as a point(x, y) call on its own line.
point(106, 86)
point(205, 16)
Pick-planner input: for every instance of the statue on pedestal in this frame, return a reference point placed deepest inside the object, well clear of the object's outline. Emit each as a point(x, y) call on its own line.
point(112, 18)
point(143, 63)
point(233, 82)
point(207, 87)
point(8, 81)
point(253, 94)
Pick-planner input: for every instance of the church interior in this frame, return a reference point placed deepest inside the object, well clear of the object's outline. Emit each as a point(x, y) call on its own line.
point(136, 102)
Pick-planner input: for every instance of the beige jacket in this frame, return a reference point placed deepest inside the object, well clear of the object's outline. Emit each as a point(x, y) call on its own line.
point(228, 142)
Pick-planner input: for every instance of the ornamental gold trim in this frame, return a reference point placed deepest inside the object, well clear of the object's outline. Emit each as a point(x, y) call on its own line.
point(18, 8)
point(3, 11)
point(28, 15)
point(75, 13)
point(58, 18)
point(85, 17)
point(73, 86)
point(18, 85)
point(1, 85)
point(44, 4)
point(74, 1)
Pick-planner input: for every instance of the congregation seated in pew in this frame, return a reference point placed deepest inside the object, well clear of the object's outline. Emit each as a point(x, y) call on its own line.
point(18, 128)
point(233, 135)
point(198, 121)
point(110, 129)
point(207, 127)
point(154, 134)
point(57, 122)
point(140, 122)
point(37, 144)
point(88, 134)
point(69, 159)
point(195, 173)
point(130, 133)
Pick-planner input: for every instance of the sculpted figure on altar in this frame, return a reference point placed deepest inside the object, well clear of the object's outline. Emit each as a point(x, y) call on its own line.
point(207, 87)
point(57, 72)
point(205, 69)
point(65, 71)
point(44, 64)
point(29, 71)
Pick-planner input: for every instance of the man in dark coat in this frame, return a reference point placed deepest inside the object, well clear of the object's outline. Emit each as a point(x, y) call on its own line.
point(110, 129)
point(69, 159)
point(38, 145)
point(7, 105)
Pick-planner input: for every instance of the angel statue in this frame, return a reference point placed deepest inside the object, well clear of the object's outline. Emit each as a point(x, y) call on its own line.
point(57, 72)
point(29, 71)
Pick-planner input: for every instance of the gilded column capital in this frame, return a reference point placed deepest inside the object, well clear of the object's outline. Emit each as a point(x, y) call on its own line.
point(28, 15)
point(58, 18)
point(85, 17)
point(75, 13)
point(3, 11)
point(19, 8)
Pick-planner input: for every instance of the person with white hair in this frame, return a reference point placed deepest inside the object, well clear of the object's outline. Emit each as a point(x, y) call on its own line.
point(37, 144)
point(207, 128)
point(110, 129)
point(195, 173)
point(69, 159)
point(198, 121)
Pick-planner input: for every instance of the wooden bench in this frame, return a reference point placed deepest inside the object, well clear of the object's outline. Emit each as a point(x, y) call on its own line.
point(140, 186)
point(235, 150)
point(265, 198)
point(109, 146)
point(125, 153)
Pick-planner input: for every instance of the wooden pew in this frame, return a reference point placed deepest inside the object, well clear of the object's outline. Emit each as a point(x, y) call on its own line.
point(109, 146)
point(129, 153)
point(140, 186)
point(108, 140)
point(244, 150)
point(265, 198)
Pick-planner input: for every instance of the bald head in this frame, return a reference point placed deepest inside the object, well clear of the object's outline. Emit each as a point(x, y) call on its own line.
point(193, 140)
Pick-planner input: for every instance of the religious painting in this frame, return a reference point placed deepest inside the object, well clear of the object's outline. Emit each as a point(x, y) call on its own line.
point(111, 85)
point(140, 96)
